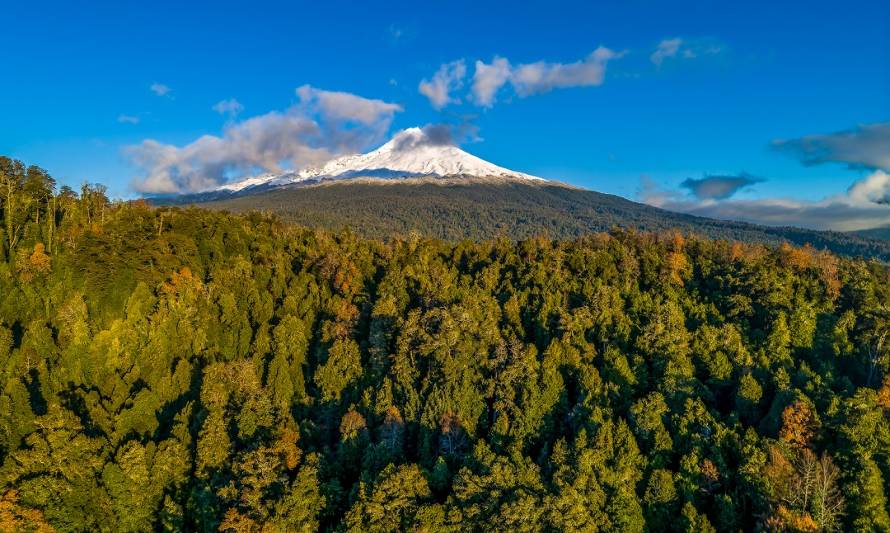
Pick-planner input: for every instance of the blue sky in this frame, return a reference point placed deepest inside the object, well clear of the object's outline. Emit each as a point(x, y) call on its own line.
point(732, 78)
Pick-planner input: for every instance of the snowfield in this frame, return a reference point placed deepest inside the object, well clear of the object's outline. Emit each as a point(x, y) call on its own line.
point(409, 154)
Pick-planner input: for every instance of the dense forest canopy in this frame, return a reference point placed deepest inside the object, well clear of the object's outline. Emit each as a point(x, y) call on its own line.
point(186, 369)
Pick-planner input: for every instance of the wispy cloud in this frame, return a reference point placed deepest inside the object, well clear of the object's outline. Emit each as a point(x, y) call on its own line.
point(539, 77)
point(396, 32)
point(527, 79)
point(159, 89)
point(542, 77)
point(230, 107)
point(343, 106)
point(665, 49)
point(682, 48)
point(865, 147)
point(322, 125)
point(828, 214)
point(488, 79)
point(863, 205)
point(347, 120)
point(128, 119)
point(447, 79)
point(399, 34)
point(716, 187)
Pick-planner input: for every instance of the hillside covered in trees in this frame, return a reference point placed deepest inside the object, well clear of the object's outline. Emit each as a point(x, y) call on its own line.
point(186, 369)
point(478, 208)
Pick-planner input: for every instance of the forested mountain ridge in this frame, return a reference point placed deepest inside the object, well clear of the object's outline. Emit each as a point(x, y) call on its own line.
point(478, 208)
point(185, 369)
point(880, 233)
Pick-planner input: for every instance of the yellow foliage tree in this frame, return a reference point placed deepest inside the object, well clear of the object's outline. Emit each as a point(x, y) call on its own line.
point(15, 518)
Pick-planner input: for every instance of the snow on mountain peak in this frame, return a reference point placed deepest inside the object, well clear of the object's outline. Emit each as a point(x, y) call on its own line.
point(411, 153)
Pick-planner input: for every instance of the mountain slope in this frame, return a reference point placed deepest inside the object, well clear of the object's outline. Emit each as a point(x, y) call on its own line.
point(415, 184)
point(459, 208)
point(881, 233)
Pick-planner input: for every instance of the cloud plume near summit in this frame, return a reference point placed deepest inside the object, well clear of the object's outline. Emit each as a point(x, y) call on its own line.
point(321, 125)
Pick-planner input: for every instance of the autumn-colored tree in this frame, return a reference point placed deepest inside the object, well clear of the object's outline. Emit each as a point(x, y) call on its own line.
point(14, 518)
point(798, 424)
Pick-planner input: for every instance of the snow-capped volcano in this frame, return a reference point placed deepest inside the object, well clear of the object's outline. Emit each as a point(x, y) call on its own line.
point(409, 154)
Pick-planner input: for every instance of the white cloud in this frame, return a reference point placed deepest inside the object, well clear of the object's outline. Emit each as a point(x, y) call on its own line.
point(448, 78)
point(488, 80)
point(539, 77)
point(684, 48)
point(230, 107)
point(866, 146)
point(323, 125)
point(873, 189)
point(128, 119)
point(665, 49)
point(264, 143)
point(159, 89)
point(348, 107)
point(863, 206)
point(542, 77)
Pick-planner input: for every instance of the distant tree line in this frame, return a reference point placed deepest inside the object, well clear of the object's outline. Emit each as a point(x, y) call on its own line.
point(454, 209)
